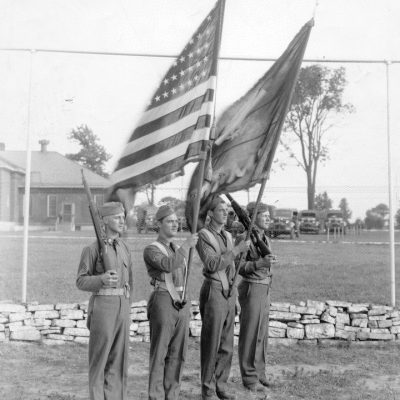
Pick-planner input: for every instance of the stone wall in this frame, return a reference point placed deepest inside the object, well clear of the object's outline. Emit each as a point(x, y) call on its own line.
point(289, 323)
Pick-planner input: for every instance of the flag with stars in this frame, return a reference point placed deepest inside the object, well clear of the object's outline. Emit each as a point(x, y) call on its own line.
point(175, 127)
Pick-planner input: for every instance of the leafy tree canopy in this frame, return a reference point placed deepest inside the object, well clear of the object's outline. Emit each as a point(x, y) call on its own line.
point(344, 206)
point(317, 102)
point(375, 217)
point(92, 154)
point(173, 202)
point(323, 202)
point(397, 218)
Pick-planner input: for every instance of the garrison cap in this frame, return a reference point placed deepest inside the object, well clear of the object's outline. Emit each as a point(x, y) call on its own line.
point(215, 201)
point(111, 208)
point(262, 207)
point(164, 211)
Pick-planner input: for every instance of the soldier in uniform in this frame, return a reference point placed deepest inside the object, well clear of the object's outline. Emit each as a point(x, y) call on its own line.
point(109, 308)
point(217, 252)
point(169, 323)
point(254, 299)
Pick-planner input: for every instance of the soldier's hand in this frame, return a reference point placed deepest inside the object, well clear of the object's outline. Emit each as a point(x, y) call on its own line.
point(192, 240)
point(110, 278)
point(267, 262)
point(243, 246)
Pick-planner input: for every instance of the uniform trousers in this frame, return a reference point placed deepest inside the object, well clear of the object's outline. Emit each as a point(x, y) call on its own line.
point(109, 348)
point(169, 337)
point(216, 345)
point(254, 301)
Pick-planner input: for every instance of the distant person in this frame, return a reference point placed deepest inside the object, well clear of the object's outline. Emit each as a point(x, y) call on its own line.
point(109, 308)
point(217, 309)
point(254, 299)
point(169, 323)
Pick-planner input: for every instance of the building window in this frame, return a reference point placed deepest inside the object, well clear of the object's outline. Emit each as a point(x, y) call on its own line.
point(52, 205)
point(99, 200)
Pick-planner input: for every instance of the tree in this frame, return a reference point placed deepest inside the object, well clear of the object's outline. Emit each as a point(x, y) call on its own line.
point(316, 105)
point(92, 154)
point(359, 222)
point(344, 206)
point(375, 217)
point(322, 202)
point(173, 202)
point(150, 190)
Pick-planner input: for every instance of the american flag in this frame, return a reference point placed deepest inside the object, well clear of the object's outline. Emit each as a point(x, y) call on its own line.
point(175, 127)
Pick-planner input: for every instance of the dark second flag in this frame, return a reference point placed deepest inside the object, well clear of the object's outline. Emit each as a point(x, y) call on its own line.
point(248, 132)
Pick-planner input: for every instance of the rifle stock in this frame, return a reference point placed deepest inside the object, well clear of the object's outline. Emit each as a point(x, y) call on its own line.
point(98, 225)
point(260, 245)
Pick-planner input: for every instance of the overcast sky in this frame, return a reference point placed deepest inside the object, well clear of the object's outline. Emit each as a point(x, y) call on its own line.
point(108, 93)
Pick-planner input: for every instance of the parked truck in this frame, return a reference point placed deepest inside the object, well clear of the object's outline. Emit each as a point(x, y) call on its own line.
point(310, 221)
point(284, 222)
point(335, 220)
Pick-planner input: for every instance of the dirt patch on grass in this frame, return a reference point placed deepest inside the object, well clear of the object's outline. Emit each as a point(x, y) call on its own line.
point(40, 372)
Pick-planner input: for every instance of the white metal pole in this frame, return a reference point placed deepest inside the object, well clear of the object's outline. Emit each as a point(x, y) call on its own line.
point(391, 197)
point(27, 185)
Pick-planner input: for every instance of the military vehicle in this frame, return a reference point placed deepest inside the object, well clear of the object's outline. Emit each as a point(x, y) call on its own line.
point(284, 222)
point(334, 219)
point(310, 221)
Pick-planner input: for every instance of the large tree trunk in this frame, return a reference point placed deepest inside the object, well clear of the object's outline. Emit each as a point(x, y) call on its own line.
point(310, 191)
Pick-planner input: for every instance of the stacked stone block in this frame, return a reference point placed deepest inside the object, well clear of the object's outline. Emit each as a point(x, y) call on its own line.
point(304, 323)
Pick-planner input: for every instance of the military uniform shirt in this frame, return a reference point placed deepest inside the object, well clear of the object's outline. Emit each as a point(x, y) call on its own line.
point(250, 268)
point(157, 263)
point(212, 260)
point(91, 266)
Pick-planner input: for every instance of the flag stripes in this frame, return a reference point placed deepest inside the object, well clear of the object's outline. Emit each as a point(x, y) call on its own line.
point(184, 135)
point(165, 163)
point(175, 128)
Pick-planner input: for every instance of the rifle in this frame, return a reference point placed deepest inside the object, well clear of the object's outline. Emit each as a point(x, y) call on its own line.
point(98, 225)
point(260, 245)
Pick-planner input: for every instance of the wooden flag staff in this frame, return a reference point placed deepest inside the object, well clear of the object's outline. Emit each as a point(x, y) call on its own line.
point(196, 210)
point(202, 167)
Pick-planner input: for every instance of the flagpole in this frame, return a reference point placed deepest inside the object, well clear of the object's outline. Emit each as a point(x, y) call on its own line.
point(27, 186)
point(391, 196)
point(202, 164)
point(269, 162)
point(196, 210)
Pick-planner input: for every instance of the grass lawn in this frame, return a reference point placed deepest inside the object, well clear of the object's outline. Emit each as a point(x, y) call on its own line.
point(309, 268)
point(300, 372)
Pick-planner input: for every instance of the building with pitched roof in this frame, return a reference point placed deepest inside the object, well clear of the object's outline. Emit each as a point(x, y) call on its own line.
point(57, 196)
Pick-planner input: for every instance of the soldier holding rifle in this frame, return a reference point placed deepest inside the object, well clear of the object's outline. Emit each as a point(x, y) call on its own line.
point(106, 271)
point(217, 309)
point(168, 316)
point(254, 298)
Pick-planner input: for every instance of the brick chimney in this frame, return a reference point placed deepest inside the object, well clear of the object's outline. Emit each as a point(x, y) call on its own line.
point(2, 146)
point(43, 144)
